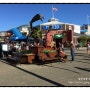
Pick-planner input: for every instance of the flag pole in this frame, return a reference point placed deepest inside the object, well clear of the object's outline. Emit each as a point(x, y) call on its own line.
point(87, 19)
point(52, 12)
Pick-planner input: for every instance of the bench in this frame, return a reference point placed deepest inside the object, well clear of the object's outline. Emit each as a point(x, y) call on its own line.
point(15, 58)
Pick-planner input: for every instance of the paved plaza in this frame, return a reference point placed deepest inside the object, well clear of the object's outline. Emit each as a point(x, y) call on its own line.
point(71, 73)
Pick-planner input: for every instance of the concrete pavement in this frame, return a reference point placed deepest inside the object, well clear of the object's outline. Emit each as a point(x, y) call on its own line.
point(76, 73)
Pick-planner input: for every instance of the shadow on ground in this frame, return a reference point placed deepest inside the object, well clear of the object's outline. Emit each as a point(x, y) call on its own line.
point(84, 69)
point(56, 84)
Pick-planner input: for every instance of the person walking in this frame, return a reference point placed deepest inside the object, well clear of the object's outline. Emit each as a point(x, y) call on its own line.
point(88, 48)
point(63, 46)
point(72, 50)
point(0, 50)
point(61, 53)
point(58, 48)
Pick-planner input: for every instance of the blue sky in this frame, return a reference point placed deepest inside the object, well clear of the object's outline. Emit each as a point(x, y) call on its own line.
point(14, 15)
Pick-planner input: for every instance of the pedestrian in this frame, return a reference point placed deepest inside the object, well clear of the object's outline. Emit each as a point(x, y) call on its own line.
point(88, 48)
point(58, 47)
point(63, 46)
point(0, 50)
point(80, 44)
point(61, 53)
point(77, 46)
point(5, 50)
point(72, 50)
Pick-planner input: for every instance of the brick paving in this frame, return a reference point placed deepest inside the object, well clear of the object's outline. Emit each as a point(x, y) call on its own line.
point(76, 73)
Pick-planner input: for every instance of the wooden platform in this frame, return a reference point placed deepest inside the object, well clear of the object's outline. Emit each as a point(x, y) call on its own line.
point(28, 58)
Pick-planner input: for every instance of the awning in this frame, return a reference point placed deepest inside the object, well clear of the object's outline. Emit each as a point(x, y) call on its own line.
point(58, 36)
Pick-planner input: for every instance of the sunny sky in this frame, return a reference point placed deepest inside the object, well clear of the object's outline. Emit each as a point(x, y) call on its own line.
point(14, 15)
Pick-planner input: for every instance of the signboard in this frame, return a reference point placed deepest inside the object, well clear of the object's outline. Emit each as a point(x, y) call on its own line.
point(57, 27)
point(58, 36)
point(45, 27)
point(52, 27)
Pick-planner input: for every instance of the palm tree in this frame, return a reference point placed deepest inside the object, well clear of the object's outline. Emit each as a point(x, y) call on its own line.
point(34, 19)
point(35, 33)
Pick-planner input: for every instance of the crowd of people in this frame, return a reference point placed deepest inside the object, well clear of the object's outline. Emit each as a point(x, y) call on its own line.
point(7, 49)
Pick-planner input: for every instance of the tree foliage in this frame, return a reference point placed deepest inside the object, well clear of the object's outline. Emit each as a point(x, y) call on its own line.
point(83, 39)
point(36, 33)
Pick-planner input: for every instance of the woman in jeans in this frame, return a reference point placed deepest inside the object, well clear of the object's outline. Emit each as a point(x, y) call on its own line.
point(88, 48)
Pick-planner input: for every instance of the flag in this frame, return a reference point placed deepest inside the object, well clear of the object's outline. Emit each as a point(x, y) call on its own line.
point(54, 9)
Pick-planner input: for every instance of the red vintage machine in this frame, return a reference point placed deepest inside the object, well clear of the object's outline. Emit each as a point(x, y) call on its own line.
point(46, 52)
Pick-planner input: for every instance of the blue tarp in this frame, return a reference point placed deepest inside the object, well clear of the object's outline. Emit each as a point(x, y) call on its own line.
point(18, 38)
point(17, 35)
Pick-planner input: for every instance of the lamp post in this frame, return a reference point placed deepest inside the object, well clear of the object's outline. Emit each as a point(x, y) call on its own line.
point(88, 21)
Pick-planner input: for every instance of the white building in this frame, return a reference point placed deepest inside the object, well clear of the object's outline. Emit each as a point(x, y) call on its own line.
point(77, 29)
point(61, 25)
point(88, 31)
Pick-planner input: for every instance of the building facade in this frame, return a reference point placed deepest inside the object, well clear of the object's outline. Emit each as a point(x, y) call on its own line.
point(88, 31)
point(56, 27)
point(55, 24)
point(85, 29)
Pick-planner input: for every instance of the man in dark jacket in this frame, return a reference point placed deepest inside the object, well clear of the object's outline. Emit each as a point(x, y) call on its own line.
point(0, 50)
